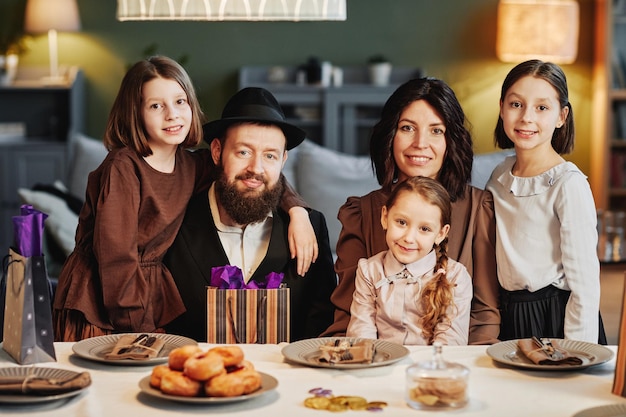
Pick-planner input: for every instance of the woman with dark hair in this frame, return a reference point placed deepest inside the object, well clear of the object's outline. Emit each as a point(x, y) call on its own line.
point(422, 132)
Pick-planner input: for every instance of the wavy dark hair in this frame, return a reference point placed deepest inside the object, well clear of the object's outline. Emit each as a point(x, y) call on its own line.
point(563, 137)
point(125, 126)
point(456, 170)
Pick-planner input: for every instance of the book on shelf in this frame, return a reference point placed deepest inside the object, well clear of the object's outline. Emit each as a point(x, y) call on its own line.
point(620, 120)
point(618, 68)
point(618, 170)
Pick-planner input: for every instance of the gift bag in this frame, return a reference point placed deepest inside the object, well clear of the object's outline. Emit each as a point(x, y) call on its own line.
point(28, 335)
point(27, 322)
point(248, 315)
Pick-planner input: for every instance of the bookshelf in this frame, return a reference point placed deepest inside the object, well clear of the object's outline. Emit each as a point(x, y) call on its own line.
point(616, 107)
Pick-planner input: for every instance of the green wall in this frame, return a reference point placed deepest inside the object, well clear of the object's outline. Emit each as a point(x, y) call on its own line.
point(449, 39)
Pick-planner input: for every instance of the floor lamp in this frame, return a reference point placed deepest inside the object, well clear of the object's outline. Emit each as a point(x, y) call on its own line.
point(50, 16)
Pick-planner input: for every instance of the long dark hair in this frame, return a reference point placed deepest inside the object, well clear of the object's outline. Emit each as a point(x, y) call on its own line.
point(125, 126)
point(563, 137)
point(456, 170)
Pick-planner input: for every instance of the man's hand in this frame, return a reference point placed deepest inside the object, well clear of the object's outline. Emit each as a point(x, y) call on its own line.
point(302, 239)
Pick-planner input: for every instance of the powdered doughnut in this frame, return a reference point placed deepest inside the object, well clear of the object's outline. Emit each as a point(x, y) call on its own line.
point(232, 355)
point(233, 384)
point(178, 356)
point(176, 383)
point(204, 365)
point(157, 374)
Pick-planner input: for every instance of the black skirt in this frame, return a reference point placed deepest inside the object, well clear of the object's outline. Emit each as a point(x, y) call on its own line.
point(541, 313)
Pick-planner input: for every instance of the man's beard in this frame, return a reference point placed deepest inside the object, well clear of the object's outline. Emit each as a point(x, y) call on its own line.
point(248, 206)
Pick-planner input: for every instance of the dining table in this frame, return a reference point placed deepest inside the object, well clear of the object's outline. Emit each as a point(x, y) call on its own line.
point(494, 388)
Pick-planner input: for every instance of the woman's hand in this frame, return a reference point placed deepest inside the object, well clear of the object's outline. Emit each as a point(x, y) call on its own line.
point(302, 239)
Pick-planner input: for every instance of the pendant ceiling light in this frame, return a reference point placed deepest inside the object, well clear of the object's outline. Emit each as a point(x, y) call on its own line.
point(541, 29)
point(236, 10)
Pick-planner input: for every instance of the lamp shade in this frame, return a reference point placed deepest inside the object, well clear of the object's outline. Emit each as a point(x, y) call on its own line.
point(242, 10)
point(541, 29)
point(44, 15)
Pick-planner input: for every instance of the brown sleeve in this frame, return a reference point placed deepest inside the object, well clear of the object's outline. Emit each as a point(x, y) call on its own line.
point(290, 197)
point(485, 314)
point(206, 170)
point(361, 236)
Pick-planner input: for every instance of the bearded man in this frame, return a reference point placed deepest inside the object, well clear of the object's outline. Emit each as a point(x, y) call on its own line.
point(239, 221)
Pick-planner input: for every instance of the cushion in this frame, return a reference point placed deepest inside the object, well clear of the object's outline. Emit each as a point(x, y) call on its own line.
point(326, 178)
point(87, 154)
point(484, 164)
point(61, 221)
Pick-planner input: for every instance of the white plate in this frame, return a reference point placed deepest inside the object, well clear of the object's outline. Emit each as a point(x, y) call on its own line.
point(20, 371)
point(591, 354)
point(307, 352)
point(95, 348)
point(268, 383)
point(611, 410)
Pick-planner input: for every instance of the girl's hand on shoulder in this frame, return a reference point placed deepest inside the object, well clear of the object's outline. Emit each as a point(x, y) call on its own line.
point(302, 239)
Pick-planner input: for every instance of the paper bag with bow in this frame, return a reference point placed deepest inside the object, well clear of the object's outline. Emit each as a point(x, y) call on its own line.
point(27, 328)
point(257, 312)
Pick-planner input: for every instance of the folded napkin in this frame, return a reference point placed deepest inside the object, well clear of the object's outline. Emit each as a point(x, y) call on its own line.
point(140, 347)
point(343, 351)
point(540, 357)
point(36, 385)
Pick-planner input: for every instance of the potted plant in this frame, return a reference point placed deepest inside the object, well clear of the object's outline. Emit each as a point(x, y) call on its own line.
point(379, 70)
point(12, 43)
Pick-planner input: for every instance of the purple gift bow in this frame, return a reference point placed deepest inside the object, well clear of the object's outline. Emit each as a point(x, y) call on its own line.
point(28, 230)
point(226, 277)
point(231, 277)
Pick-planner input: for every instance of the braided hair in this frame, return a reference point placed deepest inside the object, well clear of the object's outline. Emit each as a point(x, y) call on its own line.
point(437, 296)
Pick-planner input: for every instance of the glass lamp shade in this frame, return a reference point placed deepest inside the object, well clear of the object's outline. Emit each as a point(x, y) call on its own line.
point(541, 29)
point(236, 10)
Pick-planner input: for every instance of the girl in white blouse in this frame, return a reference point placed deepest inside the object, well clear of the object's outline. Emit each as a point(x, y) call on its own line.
point(545, 214)
point(412, 294)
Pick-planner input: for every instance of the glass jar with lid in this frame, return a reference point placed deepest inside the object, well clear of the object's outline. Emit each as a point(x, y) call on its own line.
point(436, 384)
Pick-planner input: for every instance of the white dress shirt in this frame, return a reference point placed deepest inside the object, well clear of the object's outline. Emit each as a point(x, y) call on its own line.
point(245, 247)
point(546, 235)
point(389, 308)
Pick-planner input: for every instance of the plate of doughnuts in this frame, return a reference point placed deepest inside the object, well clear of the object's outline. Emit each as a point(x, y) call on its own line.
point(217, 375)
point(268, 383)
point(97, 348)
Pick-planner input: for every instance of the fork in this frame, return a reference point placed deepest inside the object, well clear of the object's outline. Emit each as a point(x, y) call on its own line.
point(554, 353)
point(546, 345)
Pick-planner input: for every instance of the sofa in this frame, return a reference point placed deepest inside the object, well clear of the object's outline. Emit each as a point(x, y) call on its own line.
point(323, 177)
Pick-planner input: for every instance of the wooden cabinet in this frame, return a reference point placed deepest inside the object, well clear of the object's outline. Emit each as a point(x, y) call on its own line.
point(49, 115)
point(339, 117)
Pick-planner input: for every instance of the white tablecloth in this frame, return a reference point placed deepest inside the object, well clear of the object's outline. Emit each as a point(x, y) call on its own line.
point(494, 390)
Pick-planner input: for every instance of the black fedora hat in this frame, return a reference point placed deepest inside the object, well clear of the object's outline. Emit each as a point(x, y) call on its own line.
point(254, 104)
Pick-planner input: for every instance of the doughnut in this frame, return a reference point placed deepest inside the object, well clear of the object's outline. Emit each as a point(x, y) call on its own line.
point(232, 355)
point(178, 356)
point(233, 384)
point(244, 364)
point(157, 374)
point(176, 383)
point(203, 366)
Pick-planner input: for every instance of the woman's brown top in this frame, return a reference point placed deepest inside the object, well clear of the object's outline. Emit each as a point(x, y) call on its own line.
point(471, 241)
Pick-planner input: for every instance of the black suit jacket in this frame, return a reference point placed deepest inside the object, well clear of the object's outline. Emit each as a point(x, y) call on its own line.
point(197, 248)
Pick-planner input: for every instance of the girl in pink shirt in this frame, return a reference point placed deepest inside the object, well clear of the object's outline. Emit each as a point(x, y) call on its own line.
point(412, 294)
